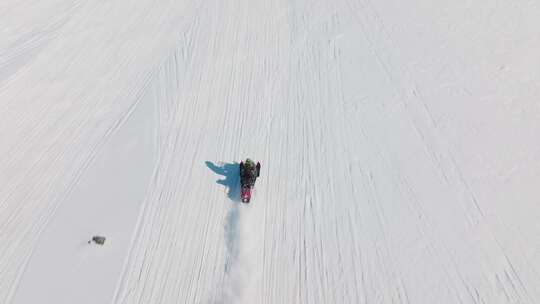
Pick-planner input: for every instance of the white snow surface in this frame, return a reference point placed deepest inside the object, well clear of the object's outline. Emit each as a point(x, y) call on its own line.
point(398, 142)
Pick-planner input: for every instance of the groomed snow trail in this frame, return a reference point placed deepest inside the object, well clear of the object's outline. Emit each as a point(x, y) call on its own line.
point(398, 145)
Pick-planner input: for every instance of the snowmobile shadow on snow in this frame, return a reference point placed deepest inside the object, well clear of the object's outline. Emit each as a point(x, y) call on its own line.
point(231, 180)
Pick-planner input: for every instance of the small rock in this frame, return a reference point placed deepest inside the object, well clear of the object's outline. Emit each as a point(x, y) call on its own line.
point(100, 240)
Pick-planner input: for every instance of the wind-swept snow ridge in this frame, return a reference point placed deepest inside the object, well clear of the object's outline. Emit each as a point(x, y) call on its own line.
point(398, 144)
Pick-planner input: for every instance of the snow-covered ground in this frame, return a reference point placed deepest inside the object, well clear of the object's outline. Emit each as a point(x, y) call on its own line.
point(398, 142)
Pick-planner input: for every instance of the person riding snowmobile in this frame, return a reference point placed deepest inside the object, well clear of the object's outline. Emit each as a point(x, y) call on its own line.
point(249, 172)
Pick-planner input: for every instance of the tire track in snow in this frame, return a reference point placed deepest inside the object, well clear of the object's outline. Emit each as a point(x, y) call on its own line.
point(58, 113)
point(25, 40)
point(183, 130)
point(441, 156)
point(357, 200)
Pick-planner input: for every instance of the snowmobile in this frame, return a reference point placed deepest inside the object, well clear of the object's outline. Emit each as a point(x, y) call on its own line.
point(249, 171)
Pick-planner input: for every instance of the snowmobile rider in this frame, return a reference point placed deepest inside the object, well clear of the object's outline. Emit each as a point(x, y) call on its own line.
point(249, 172)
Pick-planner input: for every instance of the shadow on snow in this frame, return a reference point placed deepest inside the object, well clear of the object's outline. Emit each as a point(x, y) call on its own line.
point(231, 180)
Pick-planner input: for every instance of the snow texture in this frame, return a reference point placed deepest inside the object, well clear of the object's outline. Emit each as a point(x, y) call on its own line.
point(398, 142)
